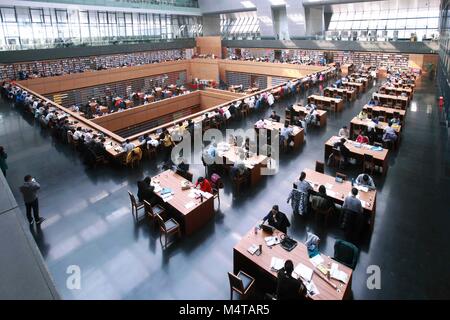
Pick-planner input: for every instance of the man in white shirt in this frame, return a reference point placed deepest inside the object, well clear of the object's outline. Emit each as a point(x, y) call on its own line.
point(128, 146)
point(364, 180)
point(343, 132)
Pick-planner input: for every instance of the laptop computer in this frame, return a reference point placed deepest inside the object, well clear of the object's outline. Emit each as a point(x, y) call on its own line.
point(267, 228)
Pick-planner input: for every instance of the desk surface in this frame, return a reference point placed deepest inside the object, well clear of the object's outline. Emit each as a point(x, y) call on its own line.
point(388, 96)
point(340, 89)
point(298, 255)
point(273, 125)
point(300, 108)
point(401, 112)
point(358, 84)
point(339, 191)
point(323, 98)
point(357, 148)
point(181, 198)
point(231, 154)
point(380, 125)
point(409, 90)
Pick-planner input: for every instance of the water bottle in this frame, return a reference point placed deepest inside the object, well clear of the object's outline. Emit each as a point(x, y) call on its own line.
point(353, 182)
point(201, 197)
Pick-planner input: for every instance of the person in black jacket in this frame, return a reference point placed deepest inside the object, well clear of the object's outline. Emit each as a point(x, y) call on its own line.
point(277, 219)
point(145, 190)
point(289, 288)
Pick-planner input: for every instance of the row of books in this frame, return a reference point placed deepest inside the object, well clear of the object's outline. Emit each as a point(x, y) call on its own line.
point(20, 71)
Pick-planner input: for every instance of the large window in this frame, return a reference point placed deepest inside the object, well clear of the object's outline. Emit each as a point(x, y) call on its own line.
point(32, 28)
point(240, 25)
point(399, 19)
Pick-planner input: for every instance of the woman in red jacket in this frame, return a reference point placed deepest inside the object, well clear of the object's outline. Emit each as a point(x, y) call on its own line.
point(204, 184)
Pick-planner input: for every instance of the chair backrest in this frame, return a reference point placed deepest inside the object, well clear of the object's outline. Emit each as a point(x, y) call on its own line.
point(148, 208)
point(341, 175)
point(320, 167)
point(161, 223)
point(368, 157)
point(188, 176)
point(346, 253)
point(235, 282)
point(216, 181)
point(132, 199)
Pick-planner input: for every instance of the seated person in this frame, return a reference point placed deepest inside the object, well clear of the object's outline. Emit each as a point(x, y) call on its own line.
point(128, 146)
point(362, 138)
point(321, 201)
point(340, 145)
point(389, 134)
point(134, 155)
point(182, 166)
point(363, 114)
point(239, 167)
point(274, 116)
point(395, 120)
point(371, 102)
point(364, 180)
point(277, 219)
point(344, 133)
point(295, 121)
point(145, 191)
point(289, 288)
point(286, 133)
point(352, 203)
point(204, 185)
point(259, 124)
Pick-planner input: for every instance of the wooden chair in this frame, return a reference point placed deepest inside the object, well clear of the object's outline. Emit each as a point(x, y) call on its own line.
point(341, 175)
point(323, 213)
point(167, 228)
point(135, 206)
point(368, 163)
point(241, 283)
point(216, 187)
point(337, 158)
point(239, 180)
point(333, 105)
point(320, 167)
point(152, 211)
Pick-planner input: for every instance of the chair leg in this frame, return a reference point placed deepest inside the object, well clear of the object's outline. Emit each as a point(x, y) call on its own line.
point(231, 294)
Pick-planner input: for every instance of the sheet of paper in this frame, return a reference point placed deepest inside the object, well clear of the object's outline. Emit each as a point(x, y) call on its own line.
point(189, 205)
point(167, 199)
point(311, 288)
point(328, 186)
point(304, 272)
point(316, 260)
point(253, 248)
point(276, 263)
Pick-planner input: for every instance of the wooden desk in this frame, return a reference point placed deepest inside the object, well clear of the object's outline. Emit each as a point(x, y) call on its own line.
point(348, 94)
point(339, 191)
point(392, 100)
point(362, 80)
point(357, 123)
point(396, 91)
point(259, 266)
point(104, 109)
point(359, 87)
point(347, 68)
point(298, 134)
point(254, 163)
point(330, 103)
point(388, 113)
point(252, 90)
point(302, 112)
point(191, 219)
point(380, 158)
point(366, 75)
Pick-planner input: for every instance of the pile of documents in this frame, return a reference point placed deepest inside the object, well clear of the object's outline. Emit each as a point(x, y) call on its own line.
point(276, 264)
point(271, 241)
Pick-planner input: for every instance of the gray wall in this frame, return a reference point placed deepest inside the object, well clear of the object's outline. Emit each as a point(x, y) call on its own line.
point(398, 46)
point(23, 273)
point(211, 25)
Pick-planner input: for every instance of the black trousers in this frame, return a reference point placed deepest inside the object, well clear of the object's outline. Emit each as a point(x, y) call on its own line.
point(35, 206)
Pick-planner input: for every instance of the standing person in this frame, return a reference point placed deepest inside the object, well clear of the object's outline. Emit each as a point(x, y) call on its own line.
point(29, 191)
point(3, 157)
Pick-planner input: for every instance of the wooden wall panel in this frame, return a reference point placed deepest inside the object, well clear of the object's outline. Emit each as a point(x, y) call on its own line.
point(209, 45)
point(90, 79)
point(130, 117)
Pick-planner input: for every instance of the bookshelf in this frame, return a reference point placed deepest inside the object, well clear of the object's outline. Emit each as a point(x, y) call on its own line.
point(50, 68)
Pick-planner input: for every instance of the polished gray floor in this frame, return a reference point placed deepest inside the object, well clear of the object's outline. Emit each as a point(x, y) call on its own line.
point(89, 223)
